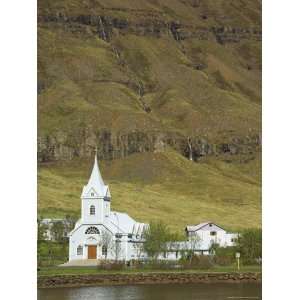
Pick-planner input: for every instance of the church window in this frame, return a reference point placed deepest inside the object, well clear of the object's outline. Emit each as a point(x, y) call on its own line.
point(104, 251)
point(213, 233)
point(92, 230)
point(79, 250)
point(92, 194)
point(92, 210)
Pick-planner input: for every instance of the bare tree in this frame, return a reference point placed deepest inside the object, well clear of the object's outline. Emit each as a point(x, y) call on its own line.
point(58, 231)
point(194, 243)
point(174, 243)
point(42, 231)
point(138, 247)
point(106, 241)
point(117, 249)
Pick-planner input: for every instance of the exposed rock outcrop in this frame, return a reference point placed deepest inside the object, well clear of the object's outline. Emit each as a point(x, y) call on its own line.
point(114, 145)
point(104, 26)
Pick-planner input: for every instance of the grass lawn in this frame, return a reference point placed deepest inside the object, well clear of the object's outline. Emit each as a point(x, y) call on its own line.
point(53, 271)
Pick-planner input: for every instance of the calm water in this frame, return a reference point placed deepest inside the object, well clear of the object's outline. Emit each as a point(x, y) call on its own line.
point(209, 291)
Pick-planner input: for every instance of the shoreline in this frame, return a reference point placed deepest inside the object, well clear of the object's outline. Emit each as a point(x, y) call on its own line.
point(57, 281)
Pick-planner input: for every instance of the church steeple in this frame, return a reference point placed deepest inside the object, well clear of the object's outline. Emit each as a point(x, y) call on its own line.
point(96, 180)
point(96, 183)
point(95, 197)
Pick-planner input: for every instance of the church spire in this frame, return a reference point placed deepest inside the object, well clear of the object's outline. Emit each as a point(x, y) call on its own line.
point(95, 197)
point(96, 178)
point(95, 186)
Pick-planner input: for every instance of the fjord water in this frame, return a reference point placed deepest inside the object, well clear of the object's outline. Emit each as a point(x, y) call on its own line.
point(206, 291)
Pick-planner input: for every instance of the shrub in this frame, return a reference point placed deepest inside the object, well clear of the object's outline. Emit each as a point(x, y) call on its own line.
point(156, 238)
point(113, 265)
point(223, 260)
point(204, 262)
point(250, 246)
point(159, 265)
point(224, 256)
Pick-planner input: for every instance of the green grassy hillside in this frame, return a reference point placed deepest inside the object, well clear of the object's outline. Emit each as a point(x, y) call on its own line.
point(134, 77)
point(161, 186)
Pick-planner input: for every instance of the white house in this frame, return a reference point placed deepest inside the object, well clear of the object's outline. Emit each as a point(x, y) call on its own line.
point(200, 238)
point(102, 233)
point(209, 233)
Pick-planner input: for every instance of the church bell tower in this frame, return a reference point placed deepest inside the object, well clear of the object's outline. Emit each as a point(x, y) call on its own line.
point(95, 198)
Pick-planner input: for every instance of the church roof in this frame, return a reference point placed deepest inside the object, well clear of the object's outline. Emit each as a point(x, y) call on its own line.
point(201, 226)
point(123, 223)
point(96, 183)
point(119, 223)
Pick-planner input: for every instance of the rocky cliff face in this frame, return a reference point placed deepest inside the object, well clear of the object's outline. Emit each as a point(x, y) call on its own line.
point(119, 145)
point(105, 27)
point(109, 61)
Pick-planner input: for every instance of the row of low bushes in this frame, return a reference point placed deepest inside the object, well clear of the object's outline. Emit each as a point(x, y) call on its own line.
point(204, 262)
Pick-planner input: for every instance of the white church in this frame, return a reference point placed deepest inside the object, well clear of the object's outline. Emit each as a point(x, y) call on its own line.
point(102, 234)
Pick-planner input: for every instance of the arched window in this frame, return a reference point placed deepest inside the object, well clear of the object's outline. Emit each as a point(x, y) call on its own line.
point(79, 250)
point(92, 230)
point(104, 250)
point(92, 210)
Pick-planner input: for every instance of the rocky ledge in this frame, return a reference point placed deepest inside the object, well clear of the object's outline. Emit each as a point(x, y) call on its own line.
point(105, 26)
point(144, 278)
point(115, 145)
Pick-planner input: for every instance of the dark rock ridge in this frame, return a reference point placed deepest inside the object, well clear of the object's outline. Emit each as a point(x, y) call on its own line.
point(114, 145)
point(144, 278)
point(104, 26)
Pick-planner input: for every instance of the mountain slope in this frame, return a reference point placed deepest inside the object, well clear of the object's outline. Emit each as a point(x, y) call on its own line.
point(152, 78)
